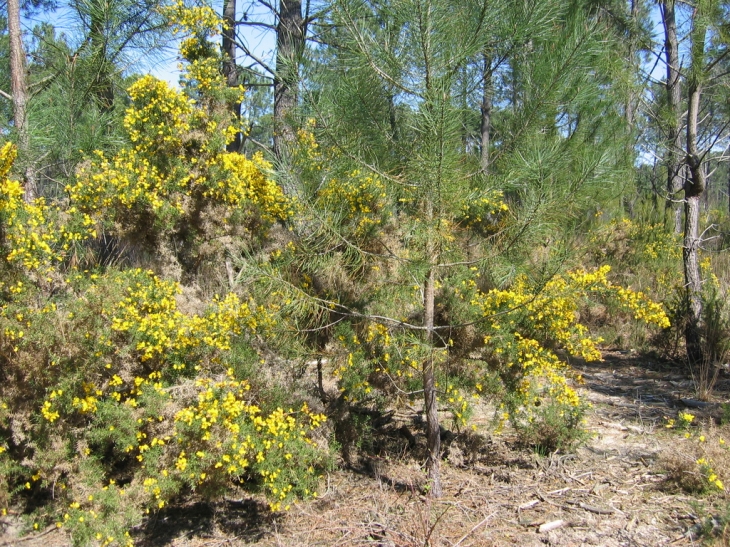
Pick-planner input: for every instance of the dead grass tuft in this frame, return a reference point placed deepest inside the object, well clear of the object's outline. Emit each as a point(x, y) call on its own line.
point(698, 459)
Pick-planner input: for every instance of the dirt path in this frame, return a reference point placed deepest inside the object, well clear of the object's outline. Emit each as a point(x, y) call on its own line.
point(611, 492)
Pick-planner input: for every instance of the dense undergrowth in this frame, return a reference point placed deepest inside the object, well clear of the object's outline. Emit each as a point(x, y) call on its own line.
point(120, 393)
point(125, 387)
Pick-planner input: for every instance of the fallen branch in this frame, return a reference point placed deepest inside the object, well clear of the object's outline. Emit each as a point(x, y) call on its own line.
point(45, 532)
point(470, 532)
point(552, 525)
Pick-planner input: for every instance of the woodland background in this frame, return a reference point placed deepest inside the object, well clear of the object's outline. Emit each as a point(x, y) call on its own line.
point(236, 283)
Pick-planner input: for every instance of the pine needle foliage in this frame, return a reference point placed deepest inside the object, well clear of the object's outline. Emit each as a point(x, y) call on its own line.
point(400, 240)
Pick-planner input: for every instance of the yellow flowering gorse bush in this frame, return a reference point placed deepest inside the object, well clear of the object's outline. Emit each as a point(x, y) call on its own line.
point(32, 240)
point(128, 399)
point(521, 327)
point(176, 164)
point(360, 198)
point(521, 323)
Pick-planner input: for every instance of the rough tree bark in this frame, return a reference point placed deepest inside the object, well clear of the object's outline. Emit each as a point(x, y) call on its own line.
point(693, 191)
point(290, 36)
point(19, 90)
point(674, 98)
point(230, 68)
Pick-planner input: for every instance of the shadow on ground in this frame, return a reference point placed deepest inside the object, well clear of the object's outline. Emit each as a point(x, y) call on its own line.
point(643, 387)
point(247, 520)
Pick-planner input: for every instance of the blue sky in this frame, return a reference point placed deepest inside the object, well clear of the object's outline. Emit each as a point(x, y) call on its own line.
point(163, 64)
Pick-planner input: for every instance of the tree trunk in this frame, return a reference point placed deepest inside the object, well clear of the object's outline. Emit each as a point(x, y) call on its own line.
point(433, 432)
point(486, 121)
point(692, 194)
point(631, 96)
point(19, 89)
point(654, 188)
point(392, 118)
point(290, 35)
point(674, 98)
point(103, 86)
point(692, 279)
point(230, 68)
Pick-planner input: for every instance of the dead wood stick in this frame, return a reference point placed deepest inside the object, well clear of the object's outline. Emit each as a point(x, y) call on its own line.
point(551, 526)
point(597, 510)
point(470, 532)
point(45, 532)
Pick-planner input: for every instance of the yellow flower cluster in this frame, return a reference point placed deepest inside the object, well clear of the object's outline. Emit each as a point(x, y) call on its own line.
point(223, 436)
point(48, 412)
point(713, 481)
point(205, 75)
point(202, 20)
point(159, 116)
point(219, 438)
point(33, 241)
point(522, 322)
point(484, 211)
point(658, 242)
point(244, 181)
point(705, 447)
point(127, 181)
point(202, 72)
point(177, 162)
point(643, 308)
point(150, 314)
point(307, 144)
point(457, 403)
point(359, 198)
point(652, 242)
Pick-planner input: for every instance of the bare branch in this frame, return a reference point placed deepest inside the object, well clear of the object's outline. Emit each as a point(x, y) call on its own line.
point(258, 60)
point(255, 24)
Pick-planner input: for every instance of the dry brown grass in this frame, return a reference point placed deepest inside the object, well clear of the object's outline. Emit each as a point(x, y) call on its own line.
point(706, 441)
point(616, 490)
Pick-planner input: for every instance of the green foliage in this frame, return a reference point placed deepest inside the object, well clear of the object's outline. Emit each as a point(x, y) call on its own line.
point(174, 189)
point(396, 256)
point(77, 80)
point(120, 394)
point(395, 217)
point(552, 426)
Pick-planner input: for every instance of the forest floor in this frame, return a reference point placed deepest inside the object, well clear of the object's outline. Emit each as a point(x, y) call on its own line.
point(613, 491)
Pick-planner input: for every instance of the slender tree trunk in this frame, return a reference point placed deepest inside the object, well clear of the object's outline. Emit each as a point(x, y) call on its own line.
point(654, 188)
point(706, 169)
point(692, 278)
point(433, 430)
point(486, 121)
point(230, 68)
point(514, 78)
point(103, 86)
point(693, 191)
point(631, 98)
point(19, 89)
point(290, 35)
point(674, 98)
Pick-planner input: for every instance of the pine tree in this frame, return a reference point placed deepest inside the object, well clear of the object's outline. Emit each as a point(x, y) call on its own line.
point(396, 212)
